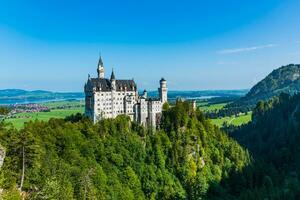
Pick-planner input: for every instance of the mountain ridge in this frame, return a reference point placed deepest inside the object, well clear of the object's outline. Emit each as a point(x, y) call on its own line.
point(285, 79)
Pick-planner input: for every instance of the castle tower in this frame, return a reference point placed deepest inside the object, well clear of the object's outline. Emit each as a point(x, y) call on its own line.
point(163, 91)
point(100, 68)
point(144, 94)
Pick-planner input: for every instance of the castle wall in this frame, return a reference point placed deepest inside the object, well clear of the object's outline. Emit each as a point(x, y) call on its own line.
point(154, 107)
point(113, 103)
point(143, 112)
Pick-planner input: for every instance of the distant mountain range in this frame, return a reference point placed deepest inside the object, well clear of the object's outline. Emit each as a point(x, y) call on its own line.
point(285, 79)
point(19, 92)
point(13, 96)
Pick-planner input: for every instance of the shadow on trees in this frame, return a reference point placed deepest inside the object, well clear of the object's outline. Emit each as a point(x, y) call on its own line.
point(273, 140)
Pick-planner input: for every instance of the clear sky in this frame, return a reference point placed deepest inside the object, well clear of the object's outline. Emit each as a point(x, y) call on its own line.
point(195, 45)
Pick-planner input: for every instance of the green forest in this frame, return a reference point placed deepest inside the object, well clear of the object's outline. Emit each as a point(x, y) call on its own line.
point(273, 138)
point(186, 157)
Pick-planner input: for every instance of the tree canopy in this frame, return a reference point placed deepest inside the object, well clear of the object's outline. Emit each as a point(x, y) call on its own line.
point(273, 138)
point(186, 158)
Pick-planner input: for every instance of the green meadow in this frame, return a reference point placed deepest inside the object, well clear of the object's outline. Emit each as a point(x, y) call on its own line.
point(232, 120)
point(69, 108)
point(205, 106)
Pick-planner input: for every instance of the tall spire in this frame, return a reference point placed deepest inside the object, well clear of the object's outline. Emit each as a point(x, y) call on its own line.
point(100, 68)
point(100, 62)
point(112, 77)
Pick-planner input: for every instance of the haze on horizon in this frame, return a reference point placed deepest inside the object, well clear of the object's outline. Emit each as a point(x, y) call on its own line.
point(195, 45)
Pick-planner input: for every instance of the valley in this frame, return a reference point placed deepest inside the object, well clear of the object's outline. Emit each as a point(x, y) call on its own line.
point(64, 108)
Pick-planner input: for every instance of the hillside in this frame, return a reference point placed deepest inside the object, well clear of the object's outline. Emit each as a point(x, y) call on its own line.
point(115, 159)
point(284, 79)
point(273, 138)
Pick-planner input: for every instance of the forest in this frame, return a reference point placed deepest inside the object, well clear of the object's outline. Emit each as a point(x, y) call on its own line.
point(185, 158)
point(273, 138)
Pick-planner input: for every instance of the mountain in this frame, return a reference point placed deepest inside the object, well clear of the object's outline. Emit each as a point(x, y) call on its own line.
point(13, 96)
point(285, 79)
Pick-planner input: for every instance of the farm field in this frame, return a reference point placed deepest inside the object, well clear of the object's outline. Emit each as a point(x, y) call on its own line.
point(59, 109)
point(233, 120)
point(204, 106)
point(21, 118)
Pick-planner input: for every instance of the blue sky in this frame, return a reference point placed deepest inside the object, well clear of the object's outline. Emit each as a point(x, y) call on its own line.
point(195, 45)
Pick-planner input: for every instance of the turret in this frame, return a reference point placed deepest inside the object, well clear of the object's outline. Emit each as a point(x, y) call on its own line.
point(163, 91)
point(100, 68)
point(145, 94)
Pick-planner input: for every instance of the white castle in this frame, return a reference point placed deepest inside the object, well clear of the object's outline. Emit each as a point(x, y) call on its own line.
point(108, 98)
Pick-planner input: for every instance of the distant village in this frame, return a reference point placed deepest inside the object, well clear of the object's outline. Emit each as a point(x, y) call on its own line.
point(28, 108)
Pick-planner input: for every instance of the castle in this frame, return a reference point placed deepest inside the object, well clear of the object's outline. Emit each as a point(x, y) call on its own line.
point(108, 98)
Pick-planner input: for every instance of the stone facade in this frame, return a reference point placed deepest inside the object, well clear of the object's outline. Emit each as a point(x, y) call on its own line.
point(108, 98)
